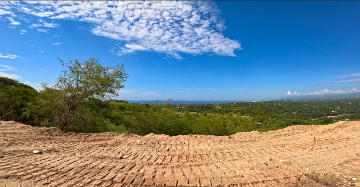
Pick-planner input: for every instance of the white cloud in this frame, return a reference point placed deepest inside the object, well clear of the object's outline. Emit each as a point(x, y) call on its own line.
point(13, 22)
point(38, 87)
point(131, 48)
point(22, 32)
point(295, 93)
point(326, 91)
point(42, 30)
point(41, 51)
point(11, 76)
point(122, 92)
point(349, 80)
point(192, 27)
point(3, 12)
point(350, 75)
point(212, 89)
point(149, 92)
point(57, 43)
point(43, 24)
point(7, 68)
point(8, 56)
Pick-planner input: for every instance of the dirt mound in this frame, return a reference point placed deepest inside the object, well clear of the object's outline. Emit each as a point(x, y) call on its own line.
point(322, 155)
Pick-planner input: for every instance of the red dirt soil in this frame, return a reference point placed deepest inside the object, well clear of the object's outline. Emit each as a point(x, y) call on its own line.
point(286, 157)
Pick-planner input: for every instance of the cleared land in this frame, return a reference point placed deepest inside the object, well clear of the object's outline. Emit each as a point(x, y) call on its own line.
point(286, 157)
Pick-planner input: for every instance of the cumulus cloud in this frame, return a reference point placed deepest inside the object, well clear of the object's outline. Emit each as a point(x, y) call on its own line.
point(7, 68)
point(8, 56)
point(192, 27)
point(4, 8)
point(11, 76)
point(290, 93)
point(326, 91)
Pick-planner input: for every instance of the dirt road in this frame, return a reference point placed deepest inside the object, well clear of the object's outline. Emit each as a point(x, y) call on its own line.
point(295, 156)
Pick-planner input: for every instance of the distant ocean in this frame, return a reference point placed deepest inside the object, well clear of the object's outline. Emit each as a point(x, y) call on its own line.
point(180, 102)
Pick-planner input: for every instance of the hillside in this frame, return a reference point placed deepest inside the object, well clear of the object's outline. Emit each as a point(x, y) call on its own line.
point(322, 155)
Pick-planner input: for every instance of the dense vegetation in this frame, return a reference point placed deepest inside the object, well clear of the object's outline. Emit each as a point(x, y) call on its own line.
point(77, 103)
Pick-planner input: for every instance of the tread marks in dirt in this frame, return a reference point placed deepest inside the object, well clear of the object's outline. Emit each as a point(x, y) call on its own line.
point(286, 157)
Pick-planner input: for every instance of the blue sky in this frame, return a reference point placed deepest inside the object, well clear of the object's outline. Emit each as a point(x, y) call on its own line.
point(213, 51)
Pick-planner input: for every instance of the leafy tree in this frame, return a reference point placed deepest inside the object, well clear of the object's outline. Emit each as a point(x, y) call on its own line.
point(14, 96)
point(77, 84)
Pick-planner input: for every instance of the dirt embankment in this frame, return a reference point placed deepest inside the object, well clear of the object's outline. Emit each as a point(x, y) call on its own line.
point(295, 156)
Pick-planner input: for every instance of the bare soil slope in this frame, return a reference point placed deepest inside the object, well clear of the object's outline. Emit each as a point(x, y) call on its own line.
point(286, 157)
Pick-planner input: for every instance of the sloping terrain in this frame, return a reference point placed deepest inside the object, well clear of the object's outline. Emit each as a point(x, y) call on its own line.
point(295, 156)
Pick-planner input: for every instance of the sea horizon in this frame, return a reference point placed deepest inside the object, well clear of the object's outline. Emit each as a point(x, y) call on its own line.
point(179, 102)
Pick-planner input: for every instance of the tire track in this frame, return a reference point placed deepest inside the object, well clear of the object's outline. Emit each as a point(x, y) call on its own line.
point(278, 158)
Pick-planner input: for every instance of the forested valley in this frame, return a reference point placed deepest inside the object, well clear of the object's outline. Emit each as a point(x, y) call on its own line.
point(173, 119)
point(81, 101)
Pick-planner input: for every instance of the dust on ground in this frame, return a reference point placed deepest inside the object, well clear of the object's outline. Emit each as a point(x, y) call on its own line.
point(322, 155)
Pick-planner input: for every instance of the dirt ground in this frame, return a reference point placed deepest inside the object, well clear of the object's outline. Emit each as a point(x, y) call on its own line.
point(326, 155)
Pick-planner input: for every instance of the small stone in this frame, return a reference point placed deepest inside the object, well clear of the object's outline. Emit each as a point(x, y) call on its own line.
point(270, 159)
point(37, 152)
point(265, 164)
point(1, 156)
point(354, 179)
point(284, 162)
point(79, 156)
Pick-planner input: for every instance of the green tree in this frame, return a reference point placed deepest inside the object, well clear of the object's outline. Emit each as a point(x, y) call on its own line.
point(77, 84)
point(15, 96)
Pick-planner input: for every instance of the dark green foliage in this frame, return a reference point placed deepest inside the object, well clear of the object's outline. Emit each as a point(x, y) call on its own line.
point(15, 96)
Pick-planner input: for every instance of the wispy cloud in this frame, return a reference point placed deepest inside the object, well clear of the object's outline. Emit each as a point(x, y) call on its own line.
point(8, 56)
point(56, 43)
point(170, 27)
point(123, 91)
point(22, 32)
point(13, 22)
point(349, 78)
point(11, 76)
point(43, 24)
point(7, 68)
point(149, 92)
point(42, 30)
point(350, 75)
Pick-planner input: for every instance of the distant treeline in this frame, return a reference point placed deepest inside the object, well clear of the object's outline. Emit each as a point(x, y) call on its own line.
point(94, 115)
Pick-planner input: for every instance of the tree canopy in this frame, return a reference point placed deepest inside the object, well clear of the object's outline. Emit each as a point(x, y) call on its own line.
point(77, 83)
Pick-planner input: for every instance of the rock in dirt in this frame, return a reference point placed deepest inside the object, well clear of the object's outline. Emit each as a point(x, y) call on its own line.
point(37, 152)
